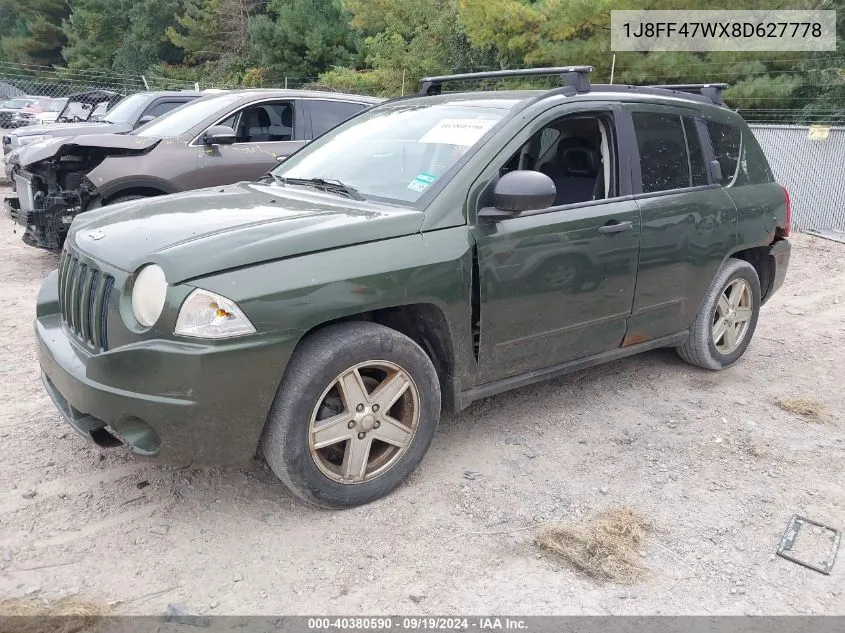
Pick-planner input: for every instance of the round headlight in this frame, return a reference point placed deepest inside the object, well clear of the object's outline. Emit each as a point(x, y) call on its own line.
point(148, 294)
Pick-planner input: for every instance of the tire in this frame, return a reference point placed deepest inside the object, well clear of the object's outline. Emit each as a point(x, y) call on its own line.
point(700, 348)
point(310, 392)
point(120, 199)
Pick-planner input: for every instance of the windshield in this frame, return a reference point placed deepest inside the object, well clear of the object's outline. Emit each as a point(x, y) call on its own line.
point(56, 105)
point(395, 152)
point(18, 104)
point(125, 110)
point(180, 120)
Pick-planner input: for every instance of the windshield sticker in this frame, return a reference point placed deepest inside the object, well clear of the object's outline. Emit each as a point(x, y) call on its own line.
point(458, 131)
point(421, 182)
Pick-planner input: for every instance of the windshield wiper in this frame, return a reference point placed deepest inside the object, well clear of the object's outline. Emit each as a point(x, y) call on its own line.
point(330, 185)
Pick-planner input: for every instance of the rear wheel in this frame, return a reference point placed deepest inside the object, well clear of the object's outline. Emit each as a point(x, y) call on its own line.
point(354, 415)
point(727, 319)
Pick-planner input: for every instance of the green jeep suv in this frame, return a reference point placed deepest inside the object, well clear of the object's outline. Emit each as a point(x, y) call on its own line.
point(429, 252)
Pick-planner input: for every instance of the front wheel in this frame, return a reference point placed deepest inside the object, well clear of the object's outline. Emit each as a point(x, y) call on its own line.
point(727, 319)
point(354, 415)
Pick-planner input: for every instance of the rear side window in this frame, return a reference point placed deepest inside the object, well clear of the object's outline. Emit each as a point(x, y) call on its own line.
point(326, 114)
point(664, 163)
point(696, 153)
point(753, 167)
point(726, 140)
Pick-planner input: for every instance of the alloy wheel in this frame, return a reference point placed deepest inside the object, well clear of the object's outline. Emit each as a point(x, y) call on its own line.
point(364, 422)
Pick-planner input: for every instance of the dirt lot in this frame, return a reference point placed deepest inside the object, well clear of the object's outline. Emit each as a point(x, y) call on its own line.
point(707, 457)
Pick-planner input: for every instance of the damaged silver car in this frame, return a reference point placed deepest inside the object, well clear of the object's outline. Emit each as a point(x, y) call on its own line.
point(216, 140)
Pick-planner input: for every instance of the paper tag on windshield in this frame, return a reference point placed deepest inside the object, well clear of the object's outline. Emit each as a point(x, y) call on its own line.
point(421, 182)
point(458, 131)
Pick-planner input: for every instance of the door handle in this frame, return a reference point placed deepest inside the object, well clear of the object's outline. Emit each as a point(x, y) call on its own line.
point(616, 227)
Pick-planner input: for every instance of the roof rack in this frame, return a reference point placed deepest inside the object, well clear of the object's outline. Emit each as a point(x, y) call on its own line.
point(578, 77)
point(711, 91)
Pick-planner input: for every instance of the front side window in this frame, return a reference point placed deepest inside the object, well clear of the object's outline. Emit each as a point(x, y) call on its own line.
point(263, 123)
point(326, 114)
point(577, 152)
point(664, 163)
point(396, 152)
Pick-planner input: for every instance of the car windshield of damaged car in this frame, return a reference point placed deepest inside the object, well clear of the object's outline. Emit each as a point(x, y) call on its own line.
point(391, 153)
point(126, 110)
point(56, 105)
point(181, 120)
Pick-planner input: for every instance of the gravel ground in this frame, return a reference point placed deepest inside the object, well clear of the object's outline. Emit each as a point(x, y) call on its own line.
point(708, 457)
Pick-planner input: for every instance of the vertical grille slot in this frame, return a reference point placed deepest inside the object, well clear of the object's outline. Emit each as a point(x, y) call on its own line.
point(103, 324)
point(84, 293)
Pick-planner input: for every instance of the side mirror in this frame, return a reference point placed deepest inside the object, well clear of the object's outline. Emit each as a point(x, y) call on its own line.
point(144, 120)
point(219, 135)
point(715, 172)
point(281, 159)
point(519, 191)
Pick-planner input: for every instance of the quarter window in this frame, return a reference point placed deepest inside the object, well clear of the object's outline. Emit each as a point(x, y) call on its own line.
point(664, 162)
point(726, 143)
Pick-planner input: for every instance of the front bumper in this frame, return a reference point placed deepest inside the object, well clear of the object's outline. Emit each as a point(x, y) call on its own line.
point(178, 402)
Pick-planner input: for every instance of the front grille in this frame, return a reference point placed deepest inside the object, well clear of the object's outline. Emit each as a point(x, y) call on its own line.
point(84, 293)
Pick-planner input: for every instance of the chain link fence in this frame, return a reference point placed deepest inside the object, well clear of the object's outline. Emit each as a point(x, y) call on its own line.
point(810, 163)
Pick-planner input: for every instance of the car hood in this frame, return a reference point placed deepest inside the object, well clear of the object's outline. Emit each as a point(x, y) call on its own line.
point(202, 232)
point(72, 129)
point(50, 148)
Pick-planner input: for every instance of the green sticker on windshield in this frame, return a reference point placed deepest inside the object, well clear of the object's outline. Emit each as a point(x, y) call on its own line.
point(422, 181)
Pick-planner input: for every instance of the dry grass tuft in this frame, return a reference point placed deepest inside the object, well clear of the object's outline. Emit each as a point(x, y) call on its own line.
point(67, 615)
point(807, 408)
point(606, 547)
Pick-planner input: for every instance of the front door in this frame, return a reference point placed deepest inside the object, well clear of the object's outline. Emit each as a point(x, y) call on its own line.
point(558, 285)
point(264, 132)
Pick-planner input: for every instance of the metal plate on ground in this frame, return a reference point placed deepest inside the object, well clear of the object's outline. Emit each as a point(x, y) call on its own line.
point(828, 234)
point(786, 548)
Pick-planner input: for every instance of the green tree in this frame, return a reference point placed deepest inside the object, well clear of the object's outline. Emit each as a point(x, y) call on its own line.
point(198, 31)
point(303, 38)
point(127, 36)
point(145, 43)
point(94, 32)
point(31, 32)
point(404, 41)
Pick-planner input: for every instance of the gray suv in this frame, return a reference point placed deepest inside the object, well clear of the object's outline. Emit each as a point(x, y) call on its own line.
point(217, 140)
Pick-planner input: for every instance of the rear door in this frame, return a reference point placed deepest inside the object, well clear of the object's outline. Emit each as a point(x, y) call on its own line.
point(688, 222)
point(264, 131)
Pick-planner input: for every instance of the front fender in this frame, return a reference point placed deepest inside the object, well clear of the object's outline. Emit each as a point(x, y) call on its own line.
point(105, 189)
point(304, 292)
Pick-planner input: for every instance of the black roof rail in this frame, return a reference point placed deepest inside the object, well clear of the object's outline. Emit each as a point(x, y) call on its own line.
point(711, 91)
point(577, 77)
